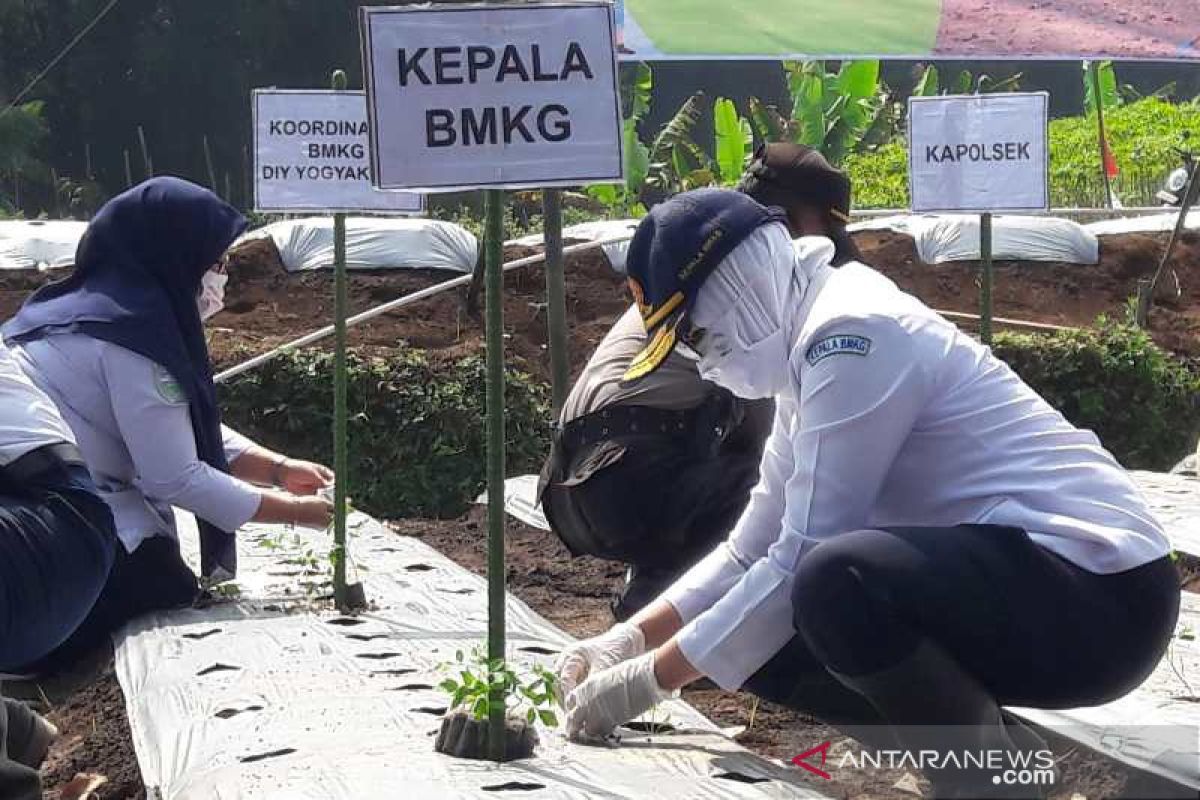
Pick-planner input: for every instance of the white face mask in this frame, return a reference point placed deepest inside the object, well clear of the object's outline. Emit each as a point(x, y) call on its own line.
point(211, 298)
point(751, 372)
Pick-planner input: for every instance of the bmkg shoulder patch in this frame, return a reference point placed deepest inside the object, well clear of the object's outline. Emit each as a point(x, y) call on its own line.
point(168, 388)
point(838, 344)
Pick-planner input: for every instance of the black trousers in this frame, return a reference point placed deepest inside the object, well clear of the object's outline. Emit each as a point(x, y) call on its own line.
point(56, 547)
point(1035, 629)
point(657, 503)
point(152, 578)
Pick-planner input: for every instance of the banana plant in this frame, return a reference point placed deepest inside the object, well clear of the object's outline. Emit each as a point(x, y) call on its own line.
point(677, 163)
point(625, 199)
point(834, 111)
point(1110, 96)
point(734, 141)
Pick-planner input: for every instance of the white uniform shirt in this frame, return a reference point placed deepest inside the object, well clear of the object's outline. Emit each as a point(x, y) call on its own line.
point(893, 417)
point(134, 428)
point(28, 418)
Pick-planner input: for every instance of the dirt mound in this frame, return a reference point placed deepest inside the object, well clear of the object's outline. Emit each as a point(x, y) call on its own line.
point(1057, 293)
point(268, 306)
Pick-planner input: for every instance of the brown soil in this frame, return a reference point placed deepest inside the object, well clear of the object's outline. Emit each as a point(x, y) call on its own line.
point(1116, 28)
point(268, 307)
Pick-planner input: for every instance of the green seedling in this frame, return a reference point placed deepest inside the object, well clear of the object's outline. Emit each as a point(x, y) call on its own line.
point(228, 590)
point(658, 720)
point(535, 692)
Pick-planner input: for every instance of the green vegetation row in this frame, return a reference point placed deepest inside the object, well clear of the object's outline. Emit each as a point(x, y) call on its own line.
point(417, 427)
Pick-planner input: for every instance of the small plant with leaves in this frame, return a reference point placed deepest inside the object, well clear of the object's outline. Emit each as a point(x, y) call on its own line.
point(533, 694)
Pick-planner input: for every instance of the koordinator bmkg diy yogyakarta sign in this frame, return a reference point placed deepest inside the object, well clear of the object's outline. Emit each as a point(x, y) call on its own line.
point(979, 153)
point(311, 154)
point(492, 96)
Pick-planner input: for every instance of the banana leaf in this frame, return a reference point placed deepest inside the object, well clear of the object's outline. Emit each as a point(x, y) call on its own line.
point(734, 141)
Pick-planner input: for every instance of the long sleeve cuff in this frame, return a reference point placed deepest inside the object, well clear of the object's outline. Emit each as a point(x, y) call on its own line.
point(752, 622)
point(705, 583)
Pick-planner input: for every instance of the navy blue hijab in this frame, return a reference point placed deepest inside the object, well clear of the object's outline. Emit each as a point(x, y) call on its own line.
point(137, 272)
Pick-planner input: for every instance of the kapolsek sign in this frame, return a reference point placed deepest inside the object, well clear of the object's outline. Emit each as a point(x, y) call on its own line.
point(979, 153)
point(311, 153)
point(492, 96)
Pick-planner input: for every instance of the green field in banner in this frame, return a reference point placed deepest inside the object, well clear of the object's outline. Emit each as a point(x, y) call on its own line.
point(782, 27)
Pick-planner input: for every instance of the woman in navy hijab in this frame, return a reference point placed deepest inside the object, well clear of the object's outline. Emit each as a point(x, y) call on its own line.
point(119, 346)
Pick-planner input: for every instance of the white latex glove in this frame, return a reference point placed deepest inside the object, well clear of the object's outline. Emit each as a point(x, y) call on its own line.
point(619, 643)
point(612, 697)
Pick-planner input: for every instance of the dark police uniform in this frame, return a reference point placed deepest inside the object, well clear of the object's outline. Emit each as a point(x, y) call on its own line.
point(654, 473)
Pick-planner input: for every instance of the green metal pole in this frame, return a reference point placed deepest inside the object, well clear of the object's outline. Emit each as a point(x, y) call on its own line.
point(556, 297)
point(340, 459)
point(494, 256)
point(985, 285)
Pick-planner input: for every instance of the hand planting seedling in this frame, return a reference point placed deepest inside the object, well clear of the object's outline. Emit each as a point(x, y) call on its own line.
point(528, 698)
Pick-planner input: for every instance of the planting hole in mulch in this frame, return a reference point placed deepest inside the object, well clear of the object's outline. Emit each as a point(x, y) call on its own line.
point(420, 568)
point(218, 668)
point(738, 777)
point(413, 687)
point(366, 637)
point(393, 672)
point(202, 634)
point(456, 591)
point(346, 621)
point(286, 751)
point(538, 650)
point(653, 728)
point(436, 711)
point(514, 786)
point(377, 656)
point(230, 713)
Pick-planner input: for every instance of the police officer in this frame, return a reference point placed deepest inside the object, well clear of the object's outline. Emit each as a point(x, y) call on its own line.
point(929, 535)
point(654, 472)
point(119, 346)
point(56, 547)
point(813, 194)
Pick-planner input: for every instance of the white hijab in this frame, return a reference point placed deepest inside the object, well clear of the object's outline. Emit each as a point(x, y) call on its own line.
point(750, 308)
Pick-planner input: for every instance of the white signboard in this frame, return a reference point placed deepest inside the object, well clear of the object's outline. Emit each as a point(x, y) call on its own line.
point(979, 153)
point(311, 153)
point(492, 96)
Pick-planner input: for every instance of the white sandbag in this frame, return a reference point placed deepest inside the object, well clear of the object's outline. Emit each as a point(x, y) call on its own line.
point(374, 243)
point(955, 237)
point(596, 231)
point(1152, 223)
point(39, 244)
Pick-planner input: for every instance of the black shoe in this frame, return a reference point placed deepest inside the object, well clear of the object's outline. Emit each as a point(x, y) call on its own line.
point(29, 734)
point(933, 704)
